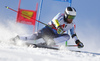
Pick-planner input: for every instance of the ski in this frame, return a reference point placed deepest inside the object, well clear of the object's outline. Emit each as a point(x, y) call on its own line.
point(43, 46)
point(85, 52)
point(53, 48)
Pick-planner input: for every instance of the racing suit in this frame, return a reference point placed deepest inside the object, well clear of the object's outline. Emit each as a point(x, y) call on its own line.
point(50, 35)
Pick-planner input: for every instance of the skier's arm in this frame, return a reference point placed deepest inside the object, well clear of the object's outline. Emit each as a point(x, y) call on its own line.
point(55, 20)
point(73, 33)
point(74, 36)
point(57, 24)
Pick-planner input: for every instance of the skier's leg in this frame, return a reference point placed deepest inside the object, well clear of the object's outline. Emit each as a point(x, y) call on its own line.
point(62, 38)
point(48, 35)
point(35, 36)
point(51, 38)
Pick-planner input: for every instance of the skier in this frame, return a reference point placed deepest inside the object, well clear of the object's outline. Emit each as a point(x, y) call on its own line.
point(56, 31)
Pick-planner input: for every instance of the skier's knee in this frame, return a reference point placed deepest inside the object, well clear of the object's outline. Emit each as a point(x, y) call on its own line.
point(67, 37)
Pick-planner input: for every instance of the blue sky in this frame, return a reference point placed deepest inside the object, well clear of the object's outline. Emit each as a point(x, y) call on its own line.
point(87, 19)
point(87, 11)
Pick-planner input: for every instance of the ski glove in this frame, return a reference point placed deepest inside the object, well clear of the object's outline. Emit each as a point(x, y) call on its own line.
point(60, 30)
point(80, 44)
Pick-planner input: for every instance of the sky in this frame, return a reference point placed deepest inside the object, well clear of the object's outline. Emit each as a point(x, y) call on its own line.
point(87, 18)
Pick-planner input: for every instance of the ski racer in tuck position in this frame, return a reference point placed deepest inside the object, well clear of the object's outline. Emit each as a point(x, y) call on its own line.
point(61, 23)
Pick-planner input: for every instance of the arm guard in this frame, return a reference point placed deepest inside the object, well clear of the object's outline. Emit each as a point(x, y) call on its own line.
point(56, 22)
point(73, 33)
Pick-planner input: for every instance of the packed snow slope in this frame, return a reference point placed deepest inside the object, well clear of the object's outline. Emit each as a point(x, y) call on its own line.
point(20, 52)
point(9, 52)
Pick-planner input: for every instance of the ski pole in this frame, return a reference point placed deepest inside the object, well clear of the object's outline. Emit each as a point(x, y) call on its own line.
point(24, 15)
point(29, 17)
point(10, 8)
point(71, 46)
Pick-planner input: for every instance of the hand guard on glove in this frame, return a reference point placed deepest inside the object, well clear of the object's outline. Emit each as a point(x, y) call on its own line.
point(60, 30)
point(80, 44)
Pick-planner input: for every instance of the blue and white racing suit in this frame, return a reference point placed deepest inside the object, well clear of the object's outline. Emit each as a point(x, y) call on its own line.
point(50, 35)
point(58, 20)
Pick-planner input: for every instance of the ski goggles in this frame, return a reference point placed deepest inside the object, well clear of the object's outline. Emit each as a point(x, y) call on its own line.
point(70, 17)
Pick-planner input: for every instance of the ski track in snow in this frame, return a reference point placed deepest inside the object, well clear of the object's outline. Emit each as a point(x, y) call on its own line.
point(9, 52)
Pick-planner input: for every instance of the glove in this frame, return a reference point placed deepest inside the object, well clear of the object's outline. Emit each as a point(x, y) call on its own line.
point(60, 30)
point(80, 44)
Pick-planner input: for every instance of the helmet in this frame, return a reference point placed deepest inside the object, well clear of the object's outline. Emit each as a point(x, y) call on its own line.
point(70, 13)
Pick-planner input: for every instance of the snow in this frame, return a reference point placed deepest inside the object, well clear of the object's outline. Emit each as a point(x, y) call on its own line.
point(10, 52)
point(20, 52)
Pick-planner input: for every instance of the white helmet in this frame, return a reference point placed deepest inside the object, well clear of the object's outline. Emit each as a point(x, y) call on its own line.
point(70, 13)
